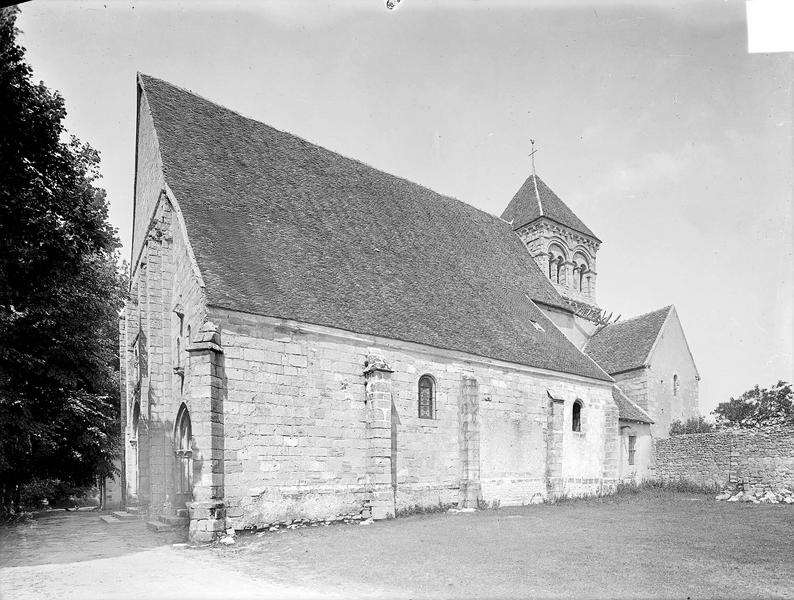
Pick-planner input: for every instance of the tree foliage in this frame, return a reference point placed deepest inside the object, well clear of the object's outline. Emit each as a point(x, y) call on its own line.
point(691, 425)
point(60, 288)
point(758, 407)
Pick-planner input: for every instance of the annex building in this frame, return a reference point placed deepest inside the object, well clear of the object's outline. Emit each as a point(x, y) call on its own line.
point(309, 337)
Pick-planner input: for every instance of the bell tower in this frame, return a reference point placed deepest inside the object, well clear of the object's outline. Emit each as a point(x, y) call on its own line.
point(562, 245)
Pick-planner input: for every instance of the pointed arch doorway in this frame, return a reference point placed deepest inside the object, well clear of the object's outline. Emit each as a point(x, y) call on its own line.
point(183, 479)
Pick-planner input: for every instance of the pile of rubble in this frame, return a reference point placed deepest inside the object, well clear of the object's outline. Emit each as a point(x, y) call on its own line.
point(361, 518)
point(781, 496)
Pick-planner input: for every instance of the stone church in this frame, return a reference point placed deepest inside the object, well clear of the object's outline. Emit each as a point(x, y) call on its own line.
point(309, 337)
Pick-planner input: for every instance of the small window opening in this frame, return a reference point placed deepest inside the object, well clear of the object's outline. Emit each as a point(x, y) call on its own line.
point(632, 448)
point(136, 417)
point(426, 397)
point(136, 363)
point(576, 422)
point(675, 385)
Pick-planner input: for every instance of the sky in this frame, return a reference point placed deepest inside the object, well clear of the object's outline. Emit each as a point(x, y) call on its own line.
point(651, 120)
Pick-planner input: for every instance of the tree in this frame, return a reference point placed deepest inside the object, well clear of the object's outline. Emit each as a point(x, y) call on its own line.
point(758, 407)
point(691, 425)
point(60, 290)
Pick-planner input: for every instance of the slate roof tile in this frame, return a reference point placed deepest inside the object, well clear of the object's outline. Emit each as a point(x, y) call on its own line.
point(627, 410)
point(534, 200)
point(284, 228)
point(625, 345)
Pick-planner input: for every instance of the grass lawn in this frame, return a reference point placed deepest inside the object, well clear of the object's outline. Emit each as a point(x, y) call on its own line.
point(655, 544)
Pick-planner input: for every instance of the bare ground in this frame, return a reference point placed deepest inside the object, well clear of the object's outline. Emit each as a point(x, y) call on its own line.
point(74, 555)
point(660, 545)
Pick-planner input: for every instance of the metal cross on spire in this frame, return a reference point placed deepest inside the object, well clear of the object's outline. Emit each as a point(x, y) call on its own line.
point(532, 155)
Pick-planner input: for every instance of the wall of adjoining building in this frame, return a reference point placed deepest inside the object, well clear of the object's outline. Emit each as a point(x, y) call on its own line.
point(643, 452)
point(671, 357)
point(635, 385)
point(755, 459)
point(296, 424)
point(577, 329)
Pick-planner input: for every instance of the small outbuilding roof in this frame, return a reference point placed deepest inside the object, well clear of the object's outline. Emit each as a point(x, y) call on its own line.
point(535, 200)
point(284, 228)
point(628, 410)
point(625, 345)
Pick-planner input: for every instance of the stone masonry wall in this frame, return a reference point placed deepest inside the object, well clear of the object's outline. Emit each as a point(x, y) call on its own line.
point(164, 286)
point(754, 459)
point(540, 234)
point(635, 385)
point(671, 358)
point(297, 439)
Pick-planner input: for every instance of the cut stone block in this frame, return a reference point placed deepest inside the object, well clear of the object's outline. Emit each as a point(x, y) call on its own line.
point(176, 521)
point(124, 516)
point(108, 520)
point(158, 526)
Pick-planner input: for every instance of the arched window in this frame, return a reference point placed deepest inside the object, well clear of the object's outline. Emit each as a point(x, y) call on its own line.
point(427, 397)
point(581, 266)
point(183, 435)
point(556, 263)
point(675, 385)
point(576, 420)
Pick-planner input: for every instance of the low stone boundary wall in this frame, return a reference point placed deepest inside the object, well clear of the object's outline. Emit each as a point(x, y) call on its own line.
point(748, 459)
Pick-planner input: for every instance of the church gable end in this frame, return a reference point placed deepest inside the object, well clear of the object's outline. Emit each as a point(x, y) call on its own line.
point(673, 379)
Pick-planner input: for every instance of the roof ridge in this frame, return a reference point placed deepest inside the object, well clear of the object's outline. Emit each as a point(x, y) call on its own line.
point(650, 312)
point(232, 172)
point(537, 194)
point(317, 145)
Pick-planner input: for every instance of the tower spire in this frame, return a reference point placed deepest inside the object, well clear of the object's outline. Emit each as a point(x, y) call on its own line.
point(532, 155)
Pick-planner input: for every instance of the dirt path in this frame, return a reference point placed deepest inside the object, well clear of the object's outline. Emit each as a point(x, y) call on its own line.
point(75, 555)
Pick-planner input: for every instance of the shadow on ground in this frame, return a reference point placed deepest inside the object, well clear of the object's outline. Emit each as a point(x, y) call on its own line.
point(67, 537)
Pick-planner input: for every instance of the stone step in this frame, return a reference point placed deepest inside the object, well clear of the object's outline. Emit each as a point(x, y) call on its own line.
point(159, 526)
point(176, 521)
point(112, 520)
point(133, 510)
point(125, 516)
point(108, 520)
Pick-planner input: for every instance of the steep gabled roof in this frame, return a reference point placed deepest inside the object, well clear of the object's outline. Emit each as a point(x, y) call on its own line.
point(284, 228)
point(627, 410)
point(535, 200)
point(625, 345)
